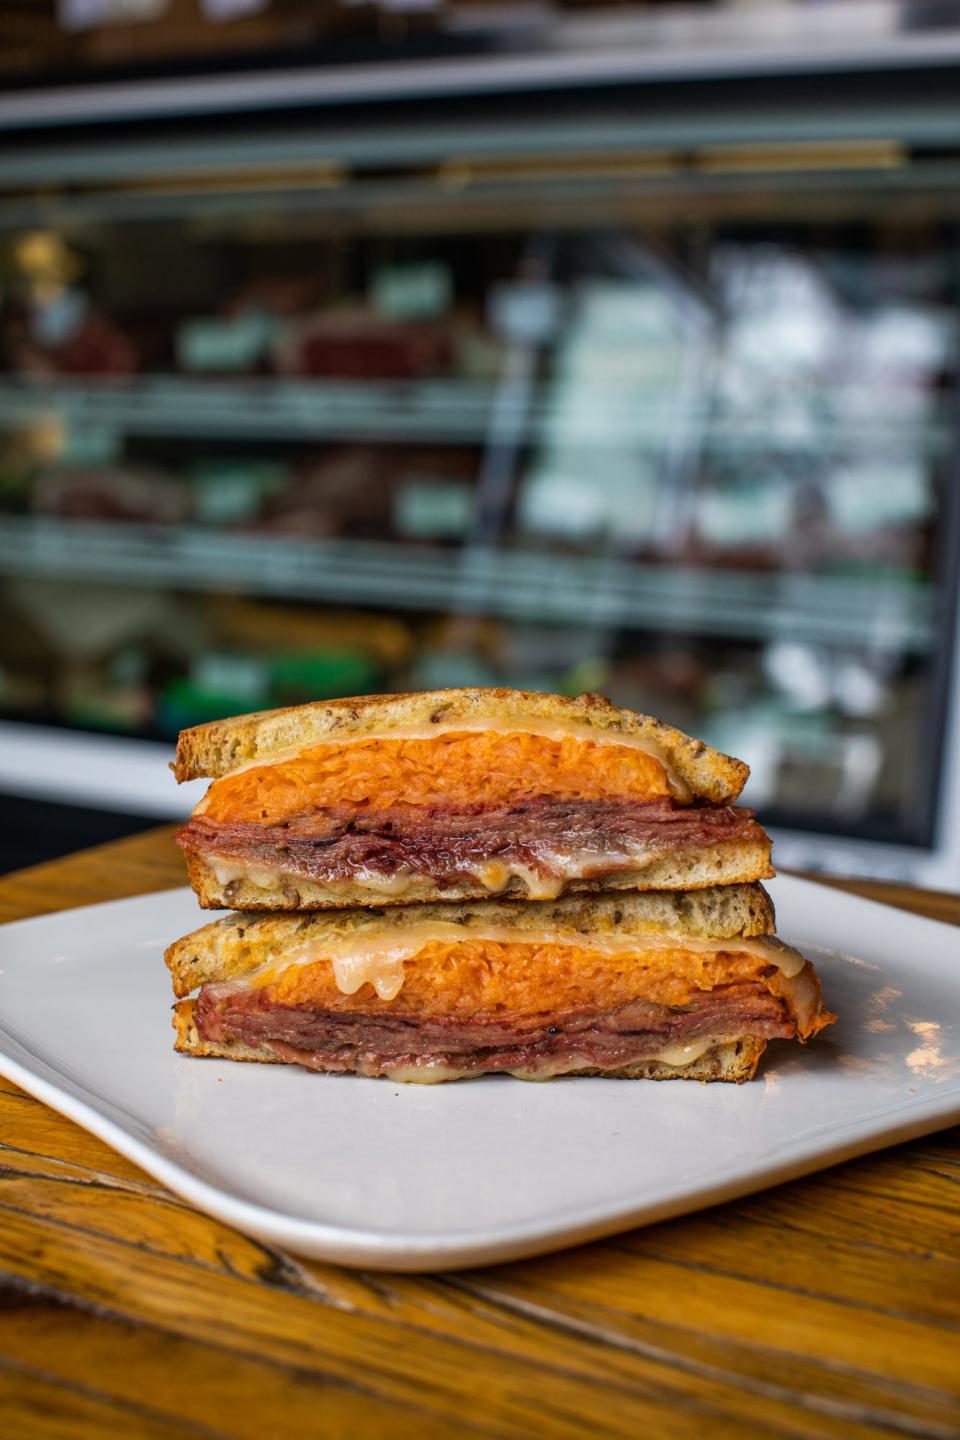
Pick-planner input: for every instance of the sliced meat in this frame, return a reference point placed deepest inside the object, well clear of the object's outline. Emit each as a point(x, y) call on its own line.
point(546, 837)
point(376, 1044)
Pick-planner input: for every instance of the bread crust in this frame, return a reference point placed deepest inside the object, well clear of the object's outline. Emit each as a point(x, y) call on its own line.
point(238, 943)
point(734, 862)
point(733, 1061)
point(217, 749)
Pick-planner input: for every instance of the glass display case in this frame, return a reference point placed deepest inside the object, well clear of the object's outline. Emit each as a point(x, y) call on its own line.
point(596, 400)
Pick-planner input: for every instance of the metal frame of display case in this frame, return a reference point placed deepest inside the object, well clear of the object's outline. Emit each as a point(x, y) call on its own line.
point(529, 52)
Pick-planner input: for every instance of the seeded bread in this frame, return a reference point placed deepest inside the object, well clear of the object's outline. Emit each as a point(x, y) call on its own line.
point(236, 944)
point(223, 746)
point(730, 1060)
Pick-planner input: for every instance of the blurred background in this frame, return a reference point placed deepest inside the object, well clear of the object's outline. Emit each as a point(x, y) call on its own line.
point(354, 346)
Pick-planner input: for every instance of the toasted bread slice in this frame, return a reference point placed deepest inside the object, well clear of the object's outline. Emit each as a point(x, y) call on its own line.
point(237, 944)
point(218, 749)
point(731, 1060)
point(735, 862)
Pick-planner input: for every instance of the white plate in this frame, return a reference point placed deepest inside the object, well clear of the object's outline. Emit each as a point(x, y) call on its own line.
point(417, 1178)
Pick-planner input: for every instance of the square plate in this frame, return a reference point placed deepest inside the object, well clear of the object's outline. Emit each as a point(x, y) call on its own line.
point(431, 1177)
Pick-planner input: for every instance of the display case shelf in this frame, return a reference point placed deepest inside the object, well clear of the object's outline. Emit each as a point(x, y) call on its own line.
point(430, 411)
point(884, 613)
point(245, 409)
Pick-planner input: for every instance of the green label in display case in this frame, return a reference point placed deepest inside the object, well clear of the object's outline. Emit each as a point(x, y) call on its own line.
point(411, 292)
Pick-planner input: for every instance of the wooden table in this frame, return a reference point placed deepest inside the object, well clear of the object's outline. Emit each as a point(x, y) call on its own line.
point(829, 1307)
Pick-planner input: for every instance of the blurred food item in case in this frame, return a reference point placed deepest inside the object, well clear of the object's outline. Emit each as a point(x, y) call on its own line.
point(375, 492)
point(426, 507)
point(433, 493)
point(96, 654)
point(266, 655)
point(253, 321)
point(223, 683)
point(477, 354)
point(403, 322)
point(341, 490)
point(613, 376)
point(364, 492)
point(457, 650)
point(847, 385)
point(49, 324)
point(62, 314)
point(388, 640)
point(669, 678)
point(25, 450)
point(235, 490)
point(352, 342)
point(297, 676)
point(420, 291)
point(744, 517)
point(111, 493)
point(825, 733)
point(217, 684)
point(227, 345)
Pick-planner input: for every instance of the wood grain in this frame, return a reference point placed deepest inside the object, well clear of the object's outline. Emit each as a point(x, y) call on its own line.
point(825, 1308)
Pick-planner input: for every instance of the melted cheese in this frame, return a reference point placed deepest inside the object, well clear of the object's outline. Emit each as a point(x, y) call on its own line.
point(397, 884)
point(268, 878)
point(493, 875)
point(264, 877)
point(685, 1053)
point(378, 959)
point(435, 1072)
point(384, 971)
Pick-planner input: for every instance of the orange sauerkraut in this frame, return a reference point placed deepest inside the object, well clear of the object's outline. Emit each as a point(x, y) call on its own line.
point(456, 768)
point(485, 977)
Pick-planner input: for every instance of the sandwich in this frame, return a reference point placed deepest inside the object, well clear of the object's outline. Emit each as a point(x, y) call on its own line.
point(635, 985)
point(458, 795)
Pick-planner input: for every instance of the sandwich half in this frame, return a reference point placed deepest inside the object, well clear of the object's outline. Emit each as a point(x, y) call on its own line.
point(658, 985)
point(458, 795)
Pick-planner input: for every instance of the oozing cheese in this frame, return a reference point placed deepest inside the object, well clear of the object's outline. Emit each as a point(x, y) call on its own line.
point(495, 876)
point(435, 1072)
point(460, 765)
point(229, 872)
point(384, 971)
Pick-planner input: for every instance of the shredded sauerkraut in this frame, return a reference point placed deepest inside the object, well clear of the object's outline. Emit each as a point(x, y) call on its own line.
point(456, 768)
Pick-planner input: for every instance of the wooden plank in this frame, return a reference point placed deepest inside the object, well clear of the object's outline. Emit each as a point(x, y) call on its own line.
point(35, 1405)
point(935, 904)
point(444, 1371)
point(189, 1388)
point(817, 1397)
point(565, 1387)
point(28, 1125)
point(823, 1329)
point(133, 866)
point(622, 1350)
